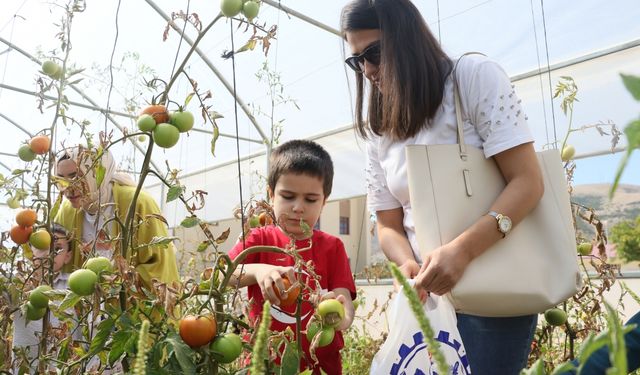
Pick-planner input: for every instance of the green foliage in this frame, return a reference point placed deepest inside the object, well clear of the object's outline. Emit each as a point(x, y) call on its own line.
point(358, 352)
point(632, 131)
point(626, 236)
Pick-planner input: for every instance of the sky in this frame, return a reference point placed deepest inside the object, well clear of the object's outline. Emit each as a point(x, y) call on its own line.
point(309, 65)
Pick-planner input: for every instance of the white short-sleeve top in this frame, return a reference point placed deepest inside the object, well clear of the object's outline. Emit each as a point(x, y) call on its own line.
point(493, 121)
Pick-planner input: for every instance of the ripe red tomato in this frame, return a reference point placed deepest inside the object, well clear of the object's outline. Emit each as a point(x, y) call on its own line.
point(19, 234)
point(26, 217)
point(292, 293)
point(265, 219)
point(197, 331)
point(159, 113)
point(40, 144)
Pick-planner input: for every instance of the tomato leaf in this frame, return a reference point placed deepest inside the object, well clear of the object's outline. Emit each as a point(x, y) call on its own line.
point(632, 131)
point(563, 368)
point(174, 192)
point(100, 171)
point(223, 236)
point(182, 353)
point(100, 339)
point(69, 301)
point(17, 172)
point(188, 99)
point(118, 345)
point(216, 134)
point(203, 246)
point(160, 241)
point(190, 222)
point(632, 83)
point(290, 360)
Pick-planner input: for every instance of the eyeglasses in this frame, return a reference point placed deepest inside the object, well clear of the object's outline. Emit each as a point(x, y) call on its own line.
point(370, 54)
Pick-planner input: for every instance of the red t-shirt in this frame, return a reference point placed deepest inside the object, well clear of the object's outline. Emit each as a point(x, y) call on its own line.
point(331, 264)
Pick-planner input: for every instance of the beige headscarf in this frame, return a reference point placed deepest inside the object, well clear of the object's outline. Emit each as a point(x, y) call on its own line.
point(87, 164)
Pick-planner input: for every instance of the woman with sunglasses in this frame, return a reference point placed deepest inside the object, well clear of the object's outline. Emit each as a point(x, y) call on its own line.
point(90, 206)
point(410, 101)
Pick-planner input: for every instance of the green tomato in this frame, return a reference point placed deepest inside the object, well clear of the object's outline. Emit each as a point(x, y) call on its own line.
point(51, 68)
point(254, 221)
point(38, 299)
point(250, 9)
point(98, 264)
point(13, 202)
point(34, 313)
point(226, 348)
point(567, 152)
point(331, 311)
point(146, 123)
point(26, 154)
point(40, 239)
point(555, 317)
point(182, 120)
point(326, 334)
point(230, 8)
point(585, 248)
point(83, 282)
point(166, 135)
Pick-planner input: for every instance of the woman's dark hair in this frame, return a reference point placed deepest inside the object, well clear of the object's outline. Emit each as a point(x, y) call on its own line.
point(413, 68)
point(301, 156)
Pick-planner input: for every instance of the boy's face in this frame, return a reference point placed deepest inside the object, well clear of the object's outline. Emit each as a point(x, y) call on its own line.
point(63, 253)
point(297, 196)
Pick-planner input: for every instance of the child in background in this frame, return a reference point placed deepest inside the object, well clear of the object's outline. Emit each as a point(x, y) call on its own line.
point(300, 180)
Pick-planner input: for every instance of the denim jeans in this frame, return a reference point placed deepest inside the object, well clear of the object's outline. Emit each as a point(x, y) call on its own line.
point(497, 346)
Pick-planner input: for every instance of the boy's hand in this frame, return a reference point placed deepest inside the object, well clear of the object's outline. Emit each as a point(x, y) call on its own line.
point(270, 277)
point(344, 297)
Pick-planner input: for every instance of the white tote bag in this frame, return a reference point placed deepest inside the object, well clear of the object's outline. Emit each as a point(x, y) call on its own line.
point(534, 267)
point(405, 350)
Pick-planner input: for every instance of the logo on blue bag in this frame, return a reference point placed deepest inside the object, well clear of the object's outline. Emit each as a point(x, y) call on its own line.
point(408, 365)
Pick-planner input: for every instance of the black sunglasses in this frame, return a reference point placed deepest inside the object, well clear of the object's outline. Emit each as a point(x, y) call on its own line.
point(371, 54)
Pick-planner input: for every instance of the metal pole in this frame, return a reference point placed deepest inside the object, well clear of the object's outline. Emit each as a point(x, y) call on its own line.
point(277, 5)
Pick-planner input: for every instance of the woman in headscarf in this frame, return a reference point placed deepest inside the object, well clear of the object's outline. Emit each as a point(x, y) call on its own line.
point(91, 201)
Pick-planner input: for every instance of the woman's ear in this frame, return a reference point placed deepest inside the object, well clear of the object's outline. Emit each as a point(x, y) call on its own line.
point(270, 193)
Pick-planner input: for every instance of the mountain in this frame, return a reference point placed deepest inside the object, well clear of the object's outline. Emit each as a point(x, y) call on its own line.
point(625, 204)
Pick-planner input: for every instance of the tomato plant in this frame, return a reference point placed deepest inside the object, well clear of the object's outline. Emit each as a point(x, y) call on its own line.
point(197, 330)
point(292, 293)
point(226, 348)
point(83, 282)
point(331, 311)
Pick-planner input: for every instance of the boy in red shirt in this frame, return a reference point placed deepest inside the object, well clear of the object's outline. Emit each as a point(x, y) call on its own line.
point(300, 180)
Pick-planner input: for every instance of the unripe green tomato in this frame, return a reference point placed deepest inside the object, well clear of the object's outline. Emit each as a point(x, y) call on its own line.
point(585, 248)
point(166, 135)
point(250, 9)
point(230, 8)
point(37, 297)
point(146, 123)
point(26, 154)
point(326, 336)
point(35, 313)
point(182, 120)
point(83, 282)
point(13, 202)
point(567, 152)
point(331, 311)
point(555, 316)
point(98, 264)
point(254, 221)
point(226, 348)
point(51, 68)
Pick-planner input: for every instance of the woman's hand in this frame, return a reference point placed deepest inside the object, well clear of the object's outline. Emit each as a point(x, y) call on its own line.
point(442, 268)
point(269, 277)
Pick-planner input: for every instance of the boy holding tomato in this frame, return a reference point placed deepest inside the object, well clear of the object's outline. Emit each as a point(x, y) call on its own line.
point(299, 183)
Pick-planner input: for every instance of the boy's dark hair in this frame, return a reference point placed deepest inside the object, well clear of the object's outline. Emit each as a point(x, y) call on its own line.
point(301, 157)
point(58, 228)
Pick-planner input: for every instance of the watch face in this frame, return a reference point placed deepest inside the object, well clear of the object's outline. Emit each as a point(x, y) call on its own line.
point(505, 224)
